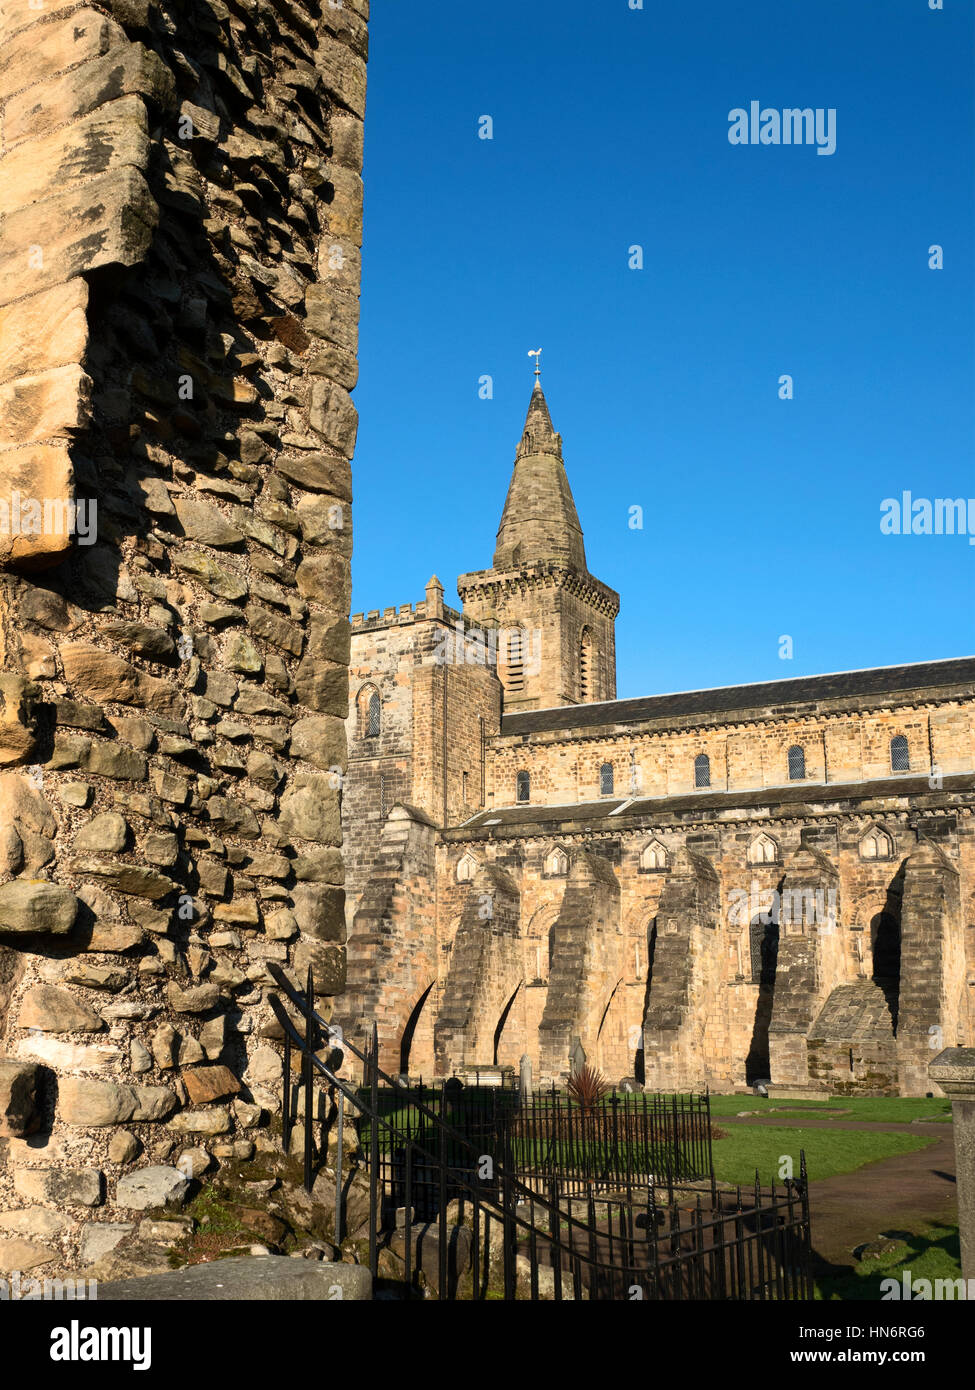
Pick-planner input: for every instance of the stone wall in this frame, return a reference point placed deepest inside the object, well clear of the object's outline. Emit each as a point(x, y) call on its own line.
point(180, 230)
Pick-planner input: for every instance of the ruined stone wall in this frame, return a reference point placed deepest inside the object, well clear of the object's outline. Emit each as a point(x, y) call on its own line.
point(819, 857)
point(565, 767)
point(180, 224)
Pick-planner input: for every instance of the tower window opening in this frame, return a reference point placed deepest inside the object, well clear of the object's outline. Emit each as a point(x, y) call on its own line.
point(702, 770)
point(523, 787)
point(516, 661)
point(900, 758)
point(606, 780)
point(585, 665)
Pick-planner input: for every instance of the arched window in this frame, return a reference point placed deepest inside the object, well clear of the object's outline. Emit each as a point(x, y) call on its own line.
point(900, 758)
point(585, 664)
point(764, 949)
point(523, 787)
point(763, 850)
point(370, 708)
point(654, 856)
point(466, 868)
point(557, 864)
point(797, 763)
point(877, 844)
point(606, 780)
point(702, 770)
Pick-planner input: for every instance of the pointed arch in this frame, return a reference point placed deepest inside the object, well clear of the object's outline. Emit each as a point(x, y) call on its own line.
point(466, 867)
point(702, 770)
point(369, 711)
point(763, 850)
point(556, 863)
point(654, 856)
point(877, 843)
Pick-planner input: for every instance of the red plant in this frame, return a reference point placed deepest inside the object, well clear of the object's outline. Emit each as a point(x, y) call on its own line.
point(587, 1087)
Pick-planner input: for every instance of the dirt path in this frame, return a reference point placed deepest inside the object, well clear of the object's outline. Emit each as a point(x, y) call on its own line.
point(898, 1194)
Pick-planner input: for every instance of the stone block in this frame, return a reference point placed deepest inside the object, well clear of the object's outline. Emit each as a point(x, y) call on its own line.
point(44, 330)
point(20, 1084)
point(57, 100)
point(109, 221)
point(38, 51)
point(34, 905)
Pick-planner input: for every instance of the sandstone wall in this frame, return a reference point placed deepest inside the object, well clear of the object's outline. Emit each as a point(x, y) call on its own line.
point(564, 767)
point(180, 230)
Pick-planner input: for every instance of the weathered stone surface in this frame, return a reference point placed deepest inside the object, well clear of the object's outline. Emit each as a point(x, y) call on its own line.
point(98, 1238)
point(106, 833)
point(319, 741)
point(34, 1221)
point(216, 1120)
point(151, 642)
point(99, 1103)
point(151, 1187)
point(318, 473)
point(22, 1255)
point(125, 878)
point(320, 911)
point(68, 1187)
point(103, 676)
point(203, 523)
point(327, 962)
point(123, 1147)
point(107, 221)
point(20, 1084)
point(205, 1084)
point(18, 717)
point(334, 416)
point(199, 999)
point(311, 810)
point(55, 1010)
point(274, 1278)
point(110, 137)
point(34, 905)
point(128, 70)
point(33, 470)
point(52, 404)
point(45, 330)
point(217, 579)
point(47, 49)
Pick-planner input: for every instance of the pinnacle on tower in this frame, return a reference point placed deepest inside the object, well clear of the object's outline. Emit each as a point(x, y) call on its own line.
point(539, 522)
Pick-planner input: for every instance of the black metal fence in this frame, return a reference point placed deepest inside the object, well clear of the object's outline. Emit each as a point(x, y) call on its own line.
point(450, 1218)
point(622, 1142)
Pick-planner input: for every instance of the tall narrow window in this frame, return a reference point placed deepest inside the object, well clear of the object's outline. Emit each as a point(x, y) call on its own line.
point(585, 665)
point(523, 787)
point(382, 796)
point(375, 716)
point(702, 770)
point(797, 764)
point(516, 661)
point(606, 780)
point(463, 793)
point(900, 758)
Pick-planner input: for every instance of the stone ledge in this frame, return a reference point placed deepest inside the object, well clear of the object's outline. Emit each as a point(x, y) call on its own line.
point(247, 1278)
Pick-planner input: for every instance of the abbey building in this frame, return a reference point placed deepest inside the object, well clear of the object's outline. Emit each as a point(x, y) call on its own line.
point(770, 882)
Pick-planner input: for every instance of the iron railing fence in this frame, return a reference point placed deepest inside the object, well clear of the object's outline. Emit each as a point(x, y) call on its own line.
point(499, 1237)
point(623, 1141)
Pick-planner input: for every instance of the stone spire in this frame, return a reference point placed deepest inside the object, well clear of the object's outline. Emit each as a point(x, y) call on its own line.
point(539, 522)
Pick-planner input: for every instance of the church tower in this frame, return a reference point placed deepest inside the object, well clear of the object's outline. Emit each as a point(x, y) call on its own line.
point(556, 639)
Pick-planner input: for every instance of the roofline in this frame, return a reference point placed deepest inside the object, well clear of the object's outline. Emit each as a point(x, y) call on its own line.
point(746, 685)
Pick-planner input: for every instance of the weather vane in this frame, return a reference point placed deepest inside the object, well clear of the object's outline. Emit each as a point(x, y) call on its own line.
point(537, 354)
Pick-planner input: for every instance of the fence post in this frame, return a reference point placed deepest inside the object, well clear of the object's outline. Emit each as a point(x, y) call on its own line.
point(373, 1066)
point(306, 1059)
point(338, 1168)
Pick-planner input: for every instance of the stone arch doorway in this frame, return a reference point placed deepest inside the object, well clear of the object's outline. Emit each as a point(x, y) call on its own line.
point(406, 1042)
point(763, 951)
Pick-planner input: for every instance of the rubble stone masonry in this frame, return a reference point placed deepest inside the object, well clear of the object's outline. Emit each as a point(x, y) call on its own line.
point(180, 229)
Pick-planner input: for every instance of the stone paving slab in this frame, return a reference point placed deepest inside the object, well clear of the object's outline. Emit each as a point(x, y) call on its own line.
point(256, 1278)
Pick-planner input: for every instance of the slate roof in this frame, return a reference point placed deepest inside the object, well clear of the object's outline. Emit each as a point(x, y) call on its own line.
point(803, 691)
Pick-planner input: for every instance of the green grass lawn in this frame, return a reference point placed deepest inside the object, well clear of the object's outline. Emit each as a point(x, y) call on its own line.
point(828, 1151)
point(930, 1253)
point(884, 1109)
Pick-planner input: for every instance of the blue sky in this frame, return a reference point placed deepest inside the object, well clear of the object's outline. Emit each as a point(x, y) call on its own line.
point(761, 516)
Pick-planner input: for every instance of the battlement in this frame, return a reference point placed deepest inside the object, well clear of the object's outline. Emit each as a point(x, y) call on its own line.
point(405, 613)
